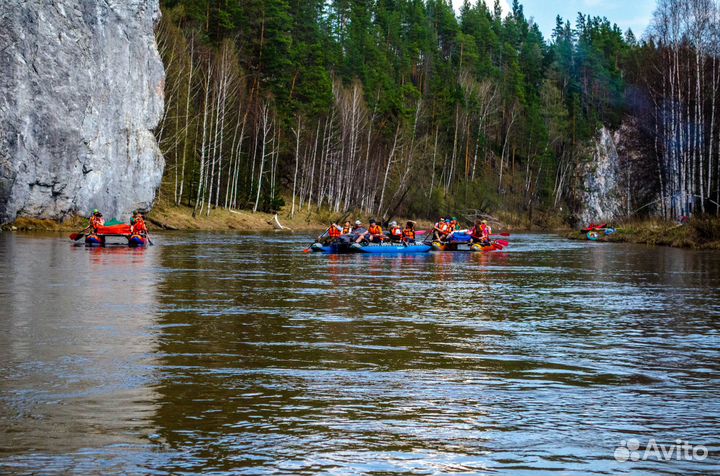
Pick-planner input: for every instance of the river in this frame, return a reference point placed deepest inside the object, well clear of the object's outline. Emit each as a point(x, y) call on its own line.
point(238, 354)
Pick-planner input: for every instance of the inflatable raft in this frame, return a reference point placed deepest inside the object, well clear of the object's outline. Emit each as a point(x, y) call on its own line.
point(98, 238)
point(460, 241)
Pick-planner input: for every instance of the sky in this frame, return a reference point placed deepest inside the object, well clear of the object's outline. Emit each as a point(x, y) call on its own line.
point(633, 14)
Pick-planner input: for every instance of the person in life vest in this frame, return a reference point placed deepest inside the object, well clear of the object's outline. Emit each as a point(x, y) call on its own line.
point(347, 228)
point(480, 233)
point(96, 220)
point(374, 233)
point(396, 233)
point(409, 233)
point(443, 230)
point(331, 234)
point(357, 232)
point(453, 224)
point(137, 224)
point(486, 231)
point(438, 229)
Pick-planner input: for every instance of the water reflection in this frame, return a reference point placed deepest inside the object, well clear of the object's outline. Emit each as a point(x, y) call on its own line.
point(76, 349)
point(229, 353)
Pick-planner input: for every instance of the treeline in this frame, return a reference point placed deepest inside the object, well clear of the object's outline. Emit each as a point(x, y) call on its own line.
point(679, 71)
point(402, 106)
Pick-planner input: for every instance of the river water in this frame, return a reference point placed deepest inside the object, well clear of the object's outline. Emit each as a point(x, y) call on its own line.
point(234, 354)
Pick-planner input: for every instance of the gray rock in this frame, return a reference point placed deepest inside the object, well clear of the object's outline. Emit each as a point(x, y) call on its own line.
point(599, 196)
point(81, 89)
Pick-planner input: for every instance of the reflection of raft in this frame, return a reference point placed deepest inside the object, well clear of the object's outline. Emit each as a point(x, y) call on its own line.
point(98, 238)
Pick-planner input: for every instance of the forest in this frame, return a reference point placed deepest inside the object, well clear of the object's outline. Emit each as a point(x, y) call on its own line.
point(409, 108)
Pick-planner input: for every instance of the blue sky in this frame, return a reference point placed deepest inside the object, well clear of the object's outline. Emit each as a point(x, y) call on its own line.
point(633, 14)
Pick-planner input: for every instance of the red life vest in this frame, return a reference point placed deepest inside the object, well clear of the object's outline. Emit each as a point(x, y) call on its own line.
point(396, 231)
point(485, 230)
point(334, 232)
point(96, 221)
point(375, 230)
point(139, 226)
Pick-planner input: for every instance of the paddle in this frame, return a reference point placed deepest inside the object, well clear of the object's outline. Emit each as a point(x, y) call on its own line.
point(76, 236)
point(500, 234)
point(502, 242)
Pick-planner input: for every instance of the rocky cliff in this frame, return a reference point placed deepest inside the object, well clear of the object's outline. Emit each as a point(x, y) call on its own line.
point(598, 191)
point(82, 88)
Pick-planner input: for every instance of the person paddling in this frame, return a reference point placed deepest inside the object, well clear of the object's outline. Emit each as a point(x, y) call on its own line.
point(332, 234)
point(137, 224)
point(96, 221)
point(347, 228)
point(480, 233)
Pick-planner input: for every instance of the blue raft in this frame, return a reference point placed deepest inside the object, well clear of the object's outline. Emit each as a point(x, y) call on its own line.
point(372, 249)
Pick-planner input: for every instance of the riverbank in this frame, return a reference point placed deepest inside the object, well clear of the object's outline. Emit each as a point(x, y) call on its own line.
point(697, 233)
point(167, 216)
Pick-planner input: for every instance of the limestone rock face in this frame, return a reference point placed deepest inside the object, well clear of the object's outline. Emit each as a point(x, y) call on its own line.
point(599, 196)
point(81, 85)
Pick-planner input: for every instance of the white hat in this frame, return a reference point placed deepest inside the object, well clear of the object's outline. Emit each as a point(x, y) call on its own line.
point(358, 222)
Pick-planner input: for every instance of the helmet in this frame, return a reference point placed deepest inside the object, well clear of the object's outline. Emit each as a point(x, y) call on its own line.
point(95, 211)
point(358, 223)
point(447, 220)
point(454, 219)
point(134, 212)
point(372, 221)
point(484, 222)
point(393, 223)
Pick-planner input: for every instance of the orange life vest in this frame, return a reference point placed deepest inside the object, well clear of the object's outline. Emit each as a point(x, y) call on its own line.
point(396, 231)
point(139, 226)
point(444, 228)
point(346, 230)
point(409, 233)
point(334, 232)
point(375, 230)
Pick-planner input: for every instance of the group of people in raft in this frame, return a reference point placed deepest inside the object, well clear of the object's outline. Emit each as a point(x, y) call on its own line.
point(442, 231)
point(137, 223)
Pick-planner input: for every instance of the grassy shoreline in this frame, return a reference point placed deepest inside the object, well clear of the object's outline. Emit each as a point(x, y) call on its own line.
point(697, 233)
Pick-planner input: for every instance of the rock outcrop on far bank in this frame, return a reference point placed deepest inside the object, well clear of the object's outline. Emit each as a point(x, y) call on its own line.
point(82, 89)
